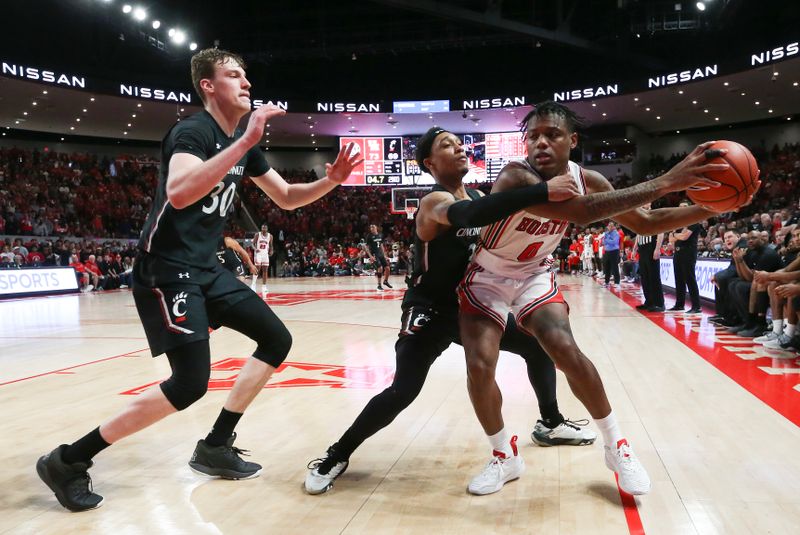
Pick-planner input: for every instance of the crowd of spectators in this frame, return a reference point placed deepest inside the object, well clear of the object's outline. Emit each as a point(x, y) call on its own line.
point(328, 236)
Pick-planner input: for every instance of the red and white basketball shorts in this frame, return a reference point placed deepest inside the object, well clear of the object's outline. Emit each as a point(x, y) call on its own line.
point(262, 258)
point(494, 296)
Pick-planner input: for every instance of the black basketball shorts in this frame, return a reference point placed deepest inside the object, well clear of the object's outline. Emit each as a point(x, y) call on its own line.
point(178, 303)
point(380, 261)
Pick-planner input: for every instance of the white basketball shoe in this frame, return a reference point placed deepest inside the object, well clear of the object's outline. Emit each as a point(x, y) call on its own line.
point(566, 433)
point(500, 470)
point(769, 337)
point(633, 478)
point(323, 471)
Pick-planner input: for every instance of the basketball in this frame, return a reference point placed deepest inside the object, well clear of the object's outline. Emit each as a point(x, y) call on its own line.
point(737, 184)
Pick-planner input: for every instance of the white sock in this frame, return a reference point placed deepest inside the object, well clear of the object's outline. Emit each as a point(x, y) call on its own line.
point(789, 330)
point(610, 429)
point(777, 326)
point(501, 441)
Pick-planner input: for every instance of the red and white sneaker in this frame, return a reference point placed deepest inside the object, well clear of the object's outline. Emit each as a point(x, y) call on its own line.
point(498, 471)
point(633, 478)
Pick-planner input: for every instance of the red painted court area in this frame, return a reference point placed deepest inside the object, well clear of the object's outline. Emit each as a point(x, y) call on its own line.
point(771, 376)
point(295, 375)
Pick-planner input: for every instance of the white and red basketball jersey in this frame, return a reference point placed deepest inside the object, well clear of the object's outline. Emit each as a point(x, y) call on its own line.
point(519, 245)
point(587, 245)
point(262, 242)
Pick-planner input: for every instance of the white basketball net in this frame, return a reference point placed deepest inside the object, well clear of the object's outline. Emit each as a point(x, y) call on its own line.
point(410, 211)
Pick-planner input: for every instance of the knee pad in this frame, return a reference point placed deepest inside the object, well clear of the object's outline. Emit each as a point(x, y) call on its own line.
point(274, 350)
point(183, 394)
point(191, 369)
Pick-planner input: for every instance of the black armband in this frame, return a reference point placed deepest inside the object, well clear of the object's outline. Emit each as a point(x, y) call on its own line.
point(495, 206)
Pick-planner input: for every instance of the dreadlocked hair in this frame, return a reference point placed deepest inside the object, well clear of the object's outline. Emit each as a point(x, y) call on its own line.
point(548, 107)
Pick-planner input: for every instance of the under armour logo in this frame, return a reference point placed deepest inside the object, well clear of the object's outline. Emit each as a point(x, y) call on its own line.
point(219, 146)
point(183, 275)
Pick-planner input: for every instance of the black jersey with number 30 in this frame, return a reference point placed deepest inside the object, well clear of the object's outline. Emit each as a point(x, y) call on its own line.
point(439, 264)
point(190, 235)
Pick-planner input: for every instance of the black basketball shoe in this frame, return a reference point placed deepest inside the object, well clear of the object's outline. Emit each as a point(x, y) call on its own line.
point(70, 482)
point(222, 461)
point(386, 283)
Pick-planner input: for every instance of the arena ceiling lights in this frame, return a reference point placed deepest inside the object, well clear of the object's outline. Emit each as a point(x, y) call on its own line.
point(140, 15)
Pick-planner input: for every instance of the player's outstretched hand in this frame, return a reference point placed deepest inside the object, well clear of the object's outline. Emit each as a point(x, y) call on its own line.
point(689, 172)
point(346, 161)
point(258, 120)
point(562, 188)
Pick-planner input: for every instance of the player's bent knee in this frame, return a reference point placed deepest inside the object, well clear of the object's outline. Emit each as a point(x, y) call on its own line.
point(480, 370)
point(274, 350)
point(182, 395)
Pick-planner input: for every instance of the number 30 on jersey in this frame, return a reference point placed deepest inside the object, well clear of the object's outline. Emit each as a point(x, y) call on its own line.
point(222, 202)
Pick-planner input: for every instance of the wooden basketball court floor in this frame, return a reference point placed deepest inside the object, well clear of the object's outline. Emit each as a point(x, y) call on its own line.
point(713, 418)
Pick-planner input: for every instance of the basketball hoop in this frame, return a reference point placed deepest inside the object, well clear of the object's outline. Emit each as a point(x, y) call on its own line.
point(410, 211)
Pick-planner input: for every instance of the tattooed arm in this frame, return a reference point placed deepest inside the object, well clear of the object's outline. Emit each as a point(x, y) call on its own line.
point(605, 202)
point(649, 221)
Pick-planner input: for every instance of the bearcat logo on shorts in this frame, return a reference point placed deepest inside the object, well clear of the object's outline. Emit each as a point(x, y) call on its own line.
point(177, 301)
point(419, 321)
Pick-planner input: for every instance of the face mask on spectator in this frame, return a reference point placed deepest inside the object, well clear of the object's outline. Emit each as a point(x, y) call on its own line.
point(717, 246)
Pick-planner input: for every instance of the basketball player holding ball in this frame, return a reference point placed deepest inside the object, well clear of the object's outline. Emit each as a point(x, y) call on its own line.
point(446, 232)
point(516, 248)
point(180, 288)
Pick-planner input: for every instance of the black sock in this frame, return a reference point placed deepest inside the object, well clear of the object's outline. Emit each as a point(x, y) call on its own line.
point(341, 451)
point(551, 417)
point(223, 428)
point(762, 304)
point(83, 449)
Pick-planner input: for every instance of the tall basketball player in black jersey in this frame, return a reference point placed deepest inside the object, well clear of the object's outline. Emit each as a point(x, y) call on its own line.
point(447, 229)
point(179, 287)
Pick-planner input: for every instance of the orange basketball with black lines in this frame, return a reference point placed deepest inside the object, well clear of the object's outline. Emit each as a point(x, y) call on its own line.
point(737, 183)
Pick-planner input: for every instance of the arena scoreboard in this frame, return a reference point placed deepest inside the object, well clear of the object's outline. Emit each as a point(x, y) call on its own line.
point(382, 165)
point(390, 161)
point(502, 148)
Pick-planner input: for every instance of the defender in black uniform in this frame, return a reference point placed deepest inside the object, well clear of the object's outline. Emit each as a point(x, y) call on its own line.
point(180, 288)
point(233, 257)
point(447, 230)
point(378, 256)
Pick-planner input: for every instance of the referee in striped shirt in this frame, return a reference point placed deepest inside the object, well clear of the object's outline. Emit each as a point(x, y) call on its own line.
point(649, 248)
